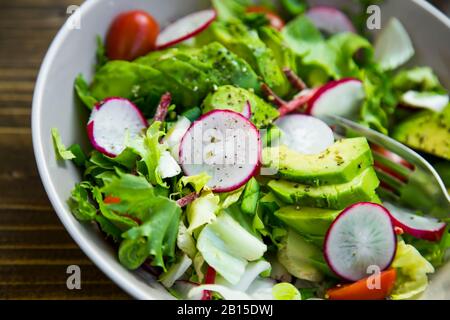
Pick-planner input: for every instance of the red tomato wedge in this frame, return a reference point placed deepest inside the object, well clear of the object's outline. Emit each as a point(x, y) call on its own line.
point(361, 290)
point(132, 34)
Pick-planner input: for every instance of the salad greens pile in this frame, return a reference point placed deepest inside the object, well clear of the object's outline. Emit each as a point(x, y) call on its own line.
point(265, 238)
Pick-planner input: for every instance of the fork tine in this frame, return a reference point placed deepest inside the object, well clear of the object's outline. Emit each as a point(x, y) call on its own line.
point(391, 165)
point(387, 194)
point(389, 180)
point(423, 189)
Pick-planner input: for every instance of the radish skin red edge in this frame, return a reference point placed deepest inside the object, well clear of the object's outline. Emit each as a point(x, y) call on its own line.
point(139, 117)
point(317, 105)
point(247, 173)
point(330, 20)
point(169, 37)
point(386, 232)
point(417, 226)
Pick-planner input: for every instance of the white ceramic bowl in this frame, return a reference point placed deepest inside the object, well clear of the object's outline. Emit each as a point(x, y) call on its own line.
point(73, 52)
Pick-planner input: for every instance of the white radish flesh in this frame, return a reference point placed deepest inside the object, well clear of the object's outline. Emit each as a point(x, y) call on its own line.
point(393, 47)
point(225, 145)
point(418, 226)
point(426, 100)
point(247, 112)
point(305, 134)
point(340, 98)
point(175, 134)
point(360, 240)
point(185, 28)
point(330, 20)
point(113, 121)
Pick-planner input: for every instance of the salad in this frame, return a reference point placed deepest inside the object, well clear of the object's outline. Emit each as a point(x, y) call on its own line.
point(210, 166)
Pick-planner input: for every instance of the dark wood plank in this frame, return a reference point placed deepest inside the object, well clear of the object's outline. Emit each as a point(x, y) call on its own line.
point(55, 292)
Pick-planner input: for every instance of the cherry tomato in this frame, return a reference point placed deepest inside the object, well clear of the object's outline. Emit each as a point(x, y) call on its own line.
point(274, 19)
point(132, 34)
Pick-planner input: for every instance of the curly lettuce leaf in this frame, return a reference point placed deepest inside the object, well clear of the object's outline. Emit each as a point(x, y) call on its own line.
point(150, 150)
point(156, 236)
point(80, 203)
point(412, 270)
point(198, 182)
point(306, 40)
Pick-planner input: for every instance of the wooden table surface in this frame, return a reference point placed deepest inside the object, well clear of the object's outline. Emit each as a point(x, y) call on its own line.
point(35, 249)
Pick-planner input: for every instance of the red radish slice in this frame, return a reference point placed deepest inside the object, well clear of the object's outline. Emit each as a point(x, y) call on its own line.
point(247, 112)
point(185, 28)
point(418, 226)
point(330, 20)
point(111, 122)
point(426, 100)
point(360, 237)
point(225, 145)
point(210, 278)
point(340, 98)
point(305, 134)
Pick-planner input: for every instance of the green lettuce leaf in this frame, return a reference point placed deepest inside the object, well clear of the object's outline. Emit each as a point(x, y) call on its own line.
point(158, 232)
point(60, 148)
point(198, 182)
point(418, 78)
point(175, 271)
point(100, 53)
point(412, 270)
point(83, 92)
point(202, 211)
point(228, 247)
point(80, 203)
point(149, 148)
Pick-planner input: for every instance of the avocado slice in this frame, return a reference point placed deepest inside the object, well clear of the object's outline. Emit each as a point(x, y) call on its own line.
point(247, 45)
point(232, 98)
point(309, 221)
point(426, 131)
point(361, 188)
point(340, 163)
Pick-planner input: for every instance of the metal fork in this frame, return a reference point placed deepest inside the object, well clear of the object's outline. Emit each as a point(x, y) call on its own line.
point(417, 186)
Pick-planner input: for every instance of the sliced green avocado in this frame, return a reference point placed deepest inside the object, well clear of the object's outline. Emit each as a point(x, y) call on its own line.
point(247, 45)
point(361, 188)
point(426, 131)
point(232, 98)
point(340, 163)
point(309, 221)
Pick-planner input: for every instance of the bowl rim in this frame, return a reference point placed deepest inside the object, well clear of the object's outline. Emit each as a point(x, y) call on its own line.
point(86, 245)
